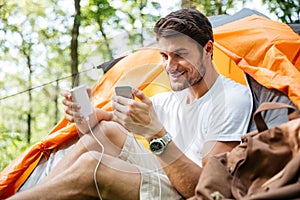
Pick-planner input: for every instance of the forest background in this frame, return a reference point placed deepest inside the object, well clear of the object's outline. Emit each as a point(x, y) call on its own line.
point(50, 45)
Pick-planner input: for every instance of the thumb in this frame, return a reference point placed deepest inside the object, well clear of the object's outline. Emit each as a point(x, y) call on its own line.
point(89, 91)
point(140, 95)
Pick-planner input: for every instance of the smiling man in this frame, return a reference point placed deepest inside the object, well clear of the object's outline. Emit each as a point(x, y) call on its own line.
point(204, 114)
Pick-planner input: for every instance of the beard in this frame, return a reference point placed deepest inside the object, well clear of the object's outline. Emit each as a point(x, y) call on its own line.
point(186, 83)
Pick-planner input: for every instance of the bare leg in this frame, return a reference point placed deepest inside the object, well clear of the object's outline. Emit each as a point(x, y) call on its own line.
point(116, 178)
point(111, 135)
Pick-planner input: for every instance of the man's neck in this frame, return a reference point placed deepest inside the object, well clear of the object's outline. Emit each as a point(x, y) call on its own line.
point(198, 90)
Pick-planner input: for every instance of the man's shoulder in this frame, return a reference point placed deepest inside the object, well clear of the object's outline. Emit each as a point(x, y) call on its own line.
point(236, 93)
point(230, 82)
point(232, 87)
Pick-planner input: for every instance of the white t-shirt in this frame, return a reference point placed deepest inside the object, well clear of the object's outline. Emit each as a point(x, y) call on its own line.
point(222, 114)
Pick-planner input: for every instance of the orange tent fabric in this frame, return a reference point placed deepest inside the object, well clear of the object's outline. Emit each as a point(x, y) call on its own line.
point(266, 50)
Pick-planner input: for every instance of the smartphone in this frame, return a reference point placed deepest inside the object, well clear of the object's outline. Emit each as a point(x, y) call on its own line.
point(124, 91)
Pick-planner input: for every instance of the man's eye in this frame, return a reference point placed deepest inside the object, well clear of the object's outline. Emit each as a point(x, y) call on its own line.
point(164, 56)
point(179, 55)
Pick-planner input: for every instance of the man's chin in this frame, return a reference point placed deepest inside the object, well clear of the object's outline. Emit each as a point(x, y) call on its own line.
point(178, 87)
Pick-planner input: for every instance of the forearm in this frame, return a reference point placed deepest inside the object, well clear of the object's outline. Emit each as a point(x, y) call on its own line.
point(182, 172)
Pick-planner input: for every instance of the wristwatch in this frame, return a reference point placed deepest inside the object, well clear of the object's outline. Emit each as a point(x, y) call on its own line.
point(158, 145)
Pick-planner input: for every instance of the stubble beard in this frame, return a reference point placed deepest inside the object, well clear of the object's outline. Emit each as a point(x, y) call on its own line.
point(177, 86)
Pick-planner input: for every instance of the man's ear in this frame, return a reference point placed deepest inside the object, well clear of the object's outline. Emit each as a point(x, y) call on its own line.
point(209, 47)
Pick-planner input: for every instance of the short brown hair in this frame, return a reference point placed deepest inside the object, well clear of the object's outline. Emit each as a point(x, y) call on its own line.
point(189, 22)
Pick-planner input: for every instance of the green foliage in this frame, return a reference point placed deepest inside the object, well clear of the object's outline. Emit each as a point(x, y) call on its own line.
point(11, 146)
point(288, 11)
point(209, 7)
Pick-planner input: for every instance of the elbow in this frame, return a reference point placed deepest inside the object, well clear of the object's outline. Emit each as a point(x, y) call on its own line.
point(189, 191)
point(189, 188)
point(204, 161)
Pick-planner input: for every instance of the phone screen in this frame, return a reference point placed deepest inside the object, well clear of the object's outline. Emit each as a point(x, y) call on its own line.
point(124, 91)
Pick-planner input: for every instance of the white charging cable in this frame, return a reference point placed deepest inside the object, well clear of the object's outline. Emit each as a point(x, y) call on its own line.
point(100, 158)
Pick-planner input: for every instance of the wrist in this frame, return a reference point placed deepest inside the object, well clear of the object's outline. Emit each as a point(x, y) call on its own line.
point(103, 115)
point(158, 145)
point(160, 134)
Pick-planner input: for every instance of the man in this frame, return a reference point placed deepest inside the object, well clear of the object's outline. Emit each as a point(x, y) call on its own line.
point(204, 115)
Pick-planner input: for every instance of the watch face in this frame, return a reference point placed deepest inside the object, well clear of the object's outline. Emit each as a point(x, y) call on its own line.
point(156, 146)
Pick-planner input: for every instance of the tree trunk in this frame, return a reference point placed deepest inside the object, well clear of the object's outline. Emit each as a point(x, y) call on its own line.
point(56, 100)
point(29, 99)
point(110, 54)
point(74, 44)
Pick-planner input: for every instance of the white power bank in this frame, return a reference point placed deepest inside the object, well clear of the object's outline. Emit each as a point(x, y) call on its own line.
point(80, 96)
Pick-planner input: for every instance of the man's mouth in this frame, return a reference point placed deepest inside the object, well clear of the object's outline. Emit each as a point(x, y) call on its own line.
point(176, 74)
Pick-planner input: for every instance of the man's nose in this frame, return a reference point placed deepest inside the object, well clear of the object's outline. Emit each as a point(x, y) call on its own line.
point(171, 63)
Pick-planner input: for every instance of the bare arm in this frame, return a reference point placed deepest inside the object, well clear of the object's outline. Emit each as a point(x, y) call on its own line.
point(140, 117)
point(216, 147)
point(181, 171)
point(184, 173)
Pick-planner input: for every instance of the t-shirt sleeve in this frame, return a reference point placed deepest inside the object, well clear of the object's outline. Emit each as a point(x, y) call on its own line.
point(229, 120)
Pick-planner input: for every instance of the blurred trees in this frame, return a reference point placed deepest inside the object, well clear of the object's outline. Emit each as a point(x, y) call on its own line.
point(30, 48)
point(46, 45)
point(288, 11)
point(209, 7)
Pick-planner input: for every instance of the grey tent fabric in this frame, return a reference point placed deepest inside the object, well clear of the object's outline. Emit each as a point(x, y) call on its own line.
point(220, 20)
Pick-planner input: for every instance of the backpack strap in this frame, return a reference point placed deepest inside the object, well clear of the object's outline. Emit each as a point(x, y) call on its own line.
point(258, 119)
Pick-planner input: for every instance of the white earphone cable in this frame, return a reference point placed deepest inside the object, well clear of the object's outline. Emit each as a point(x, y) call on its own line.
point(99, 161)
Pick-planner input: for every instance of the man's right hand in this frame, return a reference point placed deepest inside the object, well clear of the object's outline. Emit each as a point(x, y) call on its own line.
point(72, 109)
point(72, 113)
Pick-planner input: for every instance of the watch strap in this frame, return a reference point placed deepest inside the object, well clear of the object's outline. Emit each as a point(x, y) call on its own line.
point(167, 138)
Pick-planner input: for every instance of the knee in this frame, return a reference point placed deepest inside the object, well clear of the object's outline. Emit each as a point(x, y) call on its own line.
point(85, 165)
point(108, 133)
point(87, 160)
point(90, 157)
point(114, 132)
point(81, 173)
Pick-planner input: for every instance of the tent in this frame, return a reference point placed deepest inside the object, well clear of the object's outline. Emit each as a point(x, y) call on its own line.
point(248, 46)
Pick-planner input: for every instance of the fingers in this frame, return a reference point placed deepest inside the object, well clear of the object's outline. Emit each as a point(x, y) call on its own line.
point(89, 91)
point(71, 108)
point(72, 112)
point(66, 94)
point(129, 106)
point(127, 111)
point(122, 108)
point(120, 105)
point(121, 100)
point(139, 94)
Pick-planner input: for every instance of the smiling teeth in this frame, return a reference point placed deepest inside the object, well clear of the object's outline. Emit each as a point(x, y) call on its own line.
point(177, 74)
